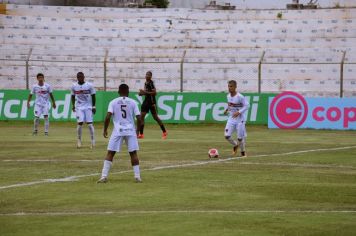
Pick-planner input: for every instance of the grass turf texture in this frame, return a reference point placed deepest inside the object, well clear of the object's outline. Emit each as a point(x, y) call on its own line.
point(287, 194)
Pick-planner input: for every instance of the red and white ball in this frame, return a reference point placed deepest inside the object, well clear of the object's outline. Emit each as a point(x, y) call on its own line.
point(213, 153)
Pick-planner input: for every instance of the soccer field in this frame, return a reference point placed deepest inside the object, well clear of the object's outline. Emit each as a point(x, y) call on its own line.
point(293, 182)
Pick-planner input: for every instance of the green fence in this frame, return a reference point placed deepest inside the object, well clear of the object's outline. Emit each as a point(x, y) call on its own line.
point(172, 107)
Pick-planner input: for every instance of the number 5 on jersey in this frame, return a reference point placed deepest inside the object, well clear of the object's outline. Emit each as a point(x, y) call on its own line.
point(123, 111)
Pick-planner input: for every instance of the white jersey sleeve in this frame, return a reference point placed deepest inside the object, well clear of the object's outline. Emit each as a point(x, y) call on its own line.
point(50, 90)
point(111, 107)
point(245, 104)
point(92, 89)
point(72, 90)
point(33, 90)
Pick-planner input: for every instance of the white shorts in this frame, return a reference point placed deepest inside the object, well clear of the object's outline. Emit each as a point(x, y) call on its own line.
point(115, 143)
point(40, 110)
point(239, 127)
point(84, 115)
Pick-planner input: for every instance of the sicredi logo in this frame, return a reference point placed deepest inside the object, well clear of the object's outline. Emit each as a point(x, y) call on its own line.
point(290, 110)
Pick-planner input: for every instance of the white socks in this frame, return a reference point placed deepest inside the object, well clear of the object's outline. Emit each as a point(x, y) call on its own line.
point(106, 168)
point(91, 130)
point(107, 165)
point(46, 124)
point(242, 144)
point(36, 123)
point(136, 170)
point(79, 131)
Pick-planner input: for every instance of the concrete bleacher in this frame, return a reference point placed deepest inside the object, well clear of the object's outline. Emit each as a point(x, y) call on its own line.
point(216, 45)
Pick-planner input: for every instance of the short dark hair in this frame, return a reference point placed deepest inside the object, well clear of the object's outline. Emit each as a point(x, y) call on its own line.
point(123, 88)
point(232, 82)
point(150, 72)
point(40, 75)
point(80, 74)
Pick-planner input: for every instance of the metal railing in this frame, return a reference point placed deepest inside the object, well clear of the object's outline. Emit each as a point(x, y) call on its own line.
point(183, 75)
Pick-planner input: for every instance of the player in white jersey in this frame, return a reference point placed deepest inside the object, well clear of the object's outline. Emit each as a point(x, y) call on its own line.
point(123, 110)
point(83, 104)
point(237, 112)
point(43, 92)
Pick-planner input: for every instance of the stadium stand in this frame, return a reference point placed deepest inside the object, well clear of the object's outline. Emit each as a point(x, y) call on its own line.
point(302, 49)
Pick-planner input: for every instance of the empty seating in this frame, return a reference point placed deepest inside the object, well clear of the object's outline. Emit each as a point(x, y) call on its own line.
point(303, 49)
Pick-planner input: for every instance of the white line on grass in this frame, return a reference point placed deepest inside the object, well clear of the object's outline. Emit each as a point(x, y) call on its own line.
point(76, 213)
point(310, 165)
point(75, 178)
point(47, 160)
point(307, 165)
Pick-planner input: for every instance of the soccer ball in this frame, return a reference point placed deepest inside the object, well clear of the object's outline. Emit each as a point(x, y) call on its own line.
point(213, 153)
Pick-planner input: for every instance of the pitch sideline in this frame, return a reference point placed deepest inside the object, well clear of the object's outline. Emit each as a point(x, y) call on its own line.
point(78, 213)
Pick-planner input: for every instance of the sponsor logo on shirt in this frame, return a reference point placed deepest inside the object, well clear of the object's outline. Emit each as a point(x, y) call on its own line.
point(82, 92)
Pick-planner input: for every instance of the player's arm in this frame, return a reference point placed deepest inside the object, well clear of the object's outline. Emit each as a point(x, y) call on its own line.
point(138, 124)
point(73, 102)
point(106, 124)
point(141, 92)
point(227, 107)
point(246, 105)
point(226, 110)
point(53, 101)
point(144, 92)
point(30, 96)
point(236, 114)
point(153, 90)
point(93, 101)
point(244, 108)
point(138, 118)
point(29, 100)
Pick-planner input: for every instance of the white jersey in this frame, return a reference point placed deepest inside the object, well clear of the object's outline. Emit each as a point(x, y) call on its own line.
point(124, 111)
point(42, 94)
point(237, 103)
point(83, 95)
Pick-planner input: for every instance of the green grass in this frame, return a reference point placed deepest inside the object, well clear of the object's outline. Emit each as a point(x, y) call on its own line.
point(310, 193)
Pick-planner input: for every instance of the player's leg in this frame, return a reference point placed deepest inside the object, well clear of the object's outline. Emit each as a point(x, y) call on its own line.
point(143, 115)
point(145, 108)
point(241, 137)
point(92, 134)
point(158, 120)
point(36, 122)
point(132, 147)
point(80, 120)
point(136, 166)
point(89, 121)
point(46, 119)
point(106, 167)
point(229, 129)
point(37, 112)
point(114, 146)
point(79, 134)
point(46, 124)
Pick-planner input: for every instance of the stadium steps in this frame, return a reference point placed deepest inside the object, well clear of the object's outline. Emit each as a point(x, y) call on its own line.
point(171, 13)
point(65, 40)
